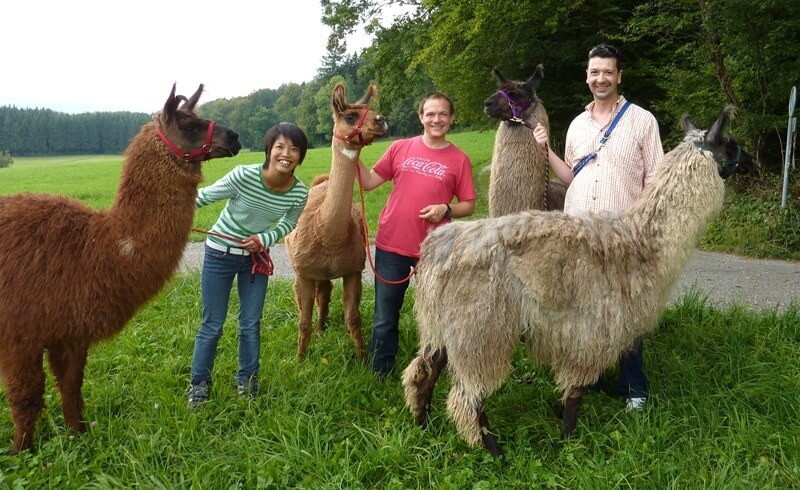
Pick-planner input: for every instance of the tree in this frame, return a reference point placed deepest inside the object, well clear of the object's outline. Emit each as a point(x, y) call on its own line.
point(712, 52)
point(5, 159)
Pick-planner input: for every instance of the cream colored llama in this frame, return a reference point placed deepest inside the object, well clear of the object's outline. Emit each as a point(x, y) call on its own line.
point(328, 241)
point(578, 289)
point(519, 171)
point(72, 276)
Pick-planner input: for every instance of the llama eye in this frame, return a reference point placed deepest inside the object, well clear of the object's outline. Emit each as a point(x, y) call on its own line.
point(350, 118)
point(191, 129)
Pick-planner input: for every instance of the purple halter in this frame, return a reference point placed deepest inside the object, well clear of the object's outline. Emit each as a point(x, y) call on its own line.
point(516, 110)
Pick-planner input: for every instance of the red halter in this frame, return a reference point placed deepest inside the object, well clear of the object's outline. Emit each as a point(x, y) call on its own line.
point(204, 150)
point(356, 133)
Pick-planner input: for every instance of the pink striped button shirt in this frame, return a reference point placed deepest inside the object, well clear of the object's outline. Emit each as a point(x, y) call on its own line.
point(615, 179)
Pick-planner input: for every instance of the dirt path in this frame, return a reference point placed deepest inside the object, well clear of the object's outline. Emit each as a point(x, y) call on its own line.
point(725, 279)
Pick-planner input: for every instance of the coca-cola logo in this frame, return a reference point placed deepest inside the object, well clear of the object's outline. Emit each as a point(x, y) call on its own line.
point(426, 167)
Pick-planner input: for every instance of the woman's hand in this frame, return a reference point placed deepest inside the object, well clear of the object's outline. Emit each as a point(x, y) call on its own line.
point(252, 244)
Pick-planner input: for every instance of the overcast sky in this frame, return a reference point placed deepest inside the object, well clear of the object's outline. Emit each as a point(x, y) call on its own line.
point(122, 55)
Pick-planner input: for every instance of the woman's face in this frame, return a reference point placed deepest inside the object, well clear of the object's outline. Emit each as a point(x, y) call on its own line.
point(284, 156)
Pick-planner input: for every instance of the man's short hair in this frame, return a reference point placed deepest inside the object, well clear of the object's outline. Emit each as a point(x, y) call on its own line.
point(437, 95)
point(607, 51)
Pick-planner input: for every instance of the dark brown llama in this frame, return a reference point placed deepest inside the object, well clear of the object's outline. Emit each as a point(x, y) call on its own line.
point(328, 241)
point(519, 171)
point(71, 276)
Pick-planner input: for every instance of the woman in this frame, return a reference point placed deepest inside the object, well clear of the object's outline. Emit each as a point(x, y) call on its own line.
point(264, 204)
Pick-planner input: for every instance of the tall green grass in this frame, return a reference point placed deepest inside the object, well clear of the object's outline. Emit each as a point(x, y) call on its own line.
point(723, 413)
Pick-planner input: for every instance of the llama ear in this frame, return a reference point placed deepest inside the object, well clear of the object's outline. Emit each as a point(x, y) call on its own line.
point(338, 99)
point(192, 101)
point(686, 122)
point(714, 134)
point(171, 105)
point(499, 75)
point(535, 79)
point(371, 91)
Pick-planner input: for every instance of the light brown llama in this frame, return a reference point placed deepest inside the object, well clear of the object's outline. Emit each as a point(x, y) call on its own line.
point(328, 241)
point(519, 171)
point(578, 289)
point(72, 276)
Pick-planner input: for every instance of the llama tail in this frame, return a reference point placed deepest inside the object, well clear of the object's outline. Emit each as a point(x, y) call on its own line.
point(319, 179)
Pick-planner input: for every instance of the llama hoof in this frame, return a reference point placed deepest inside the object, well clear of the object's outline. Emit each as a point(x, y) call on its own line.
point(421, 419)
point(567, 432)
point(77, 427)
point(490, 444)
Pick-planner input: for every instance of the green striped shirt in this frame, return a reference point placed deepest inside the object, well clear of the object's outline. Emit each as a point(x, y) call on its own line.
point(252, 209)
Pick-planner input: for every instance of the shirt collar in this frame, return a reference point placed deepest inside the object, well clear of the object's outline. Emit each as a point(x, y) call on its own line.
point(614, 108)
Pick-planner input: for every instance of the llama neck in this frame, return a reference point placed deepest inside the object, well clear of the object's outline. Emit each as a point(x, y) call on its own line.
point(684, 196)
point(336, 209)
point(150, 218)
point(519, 169)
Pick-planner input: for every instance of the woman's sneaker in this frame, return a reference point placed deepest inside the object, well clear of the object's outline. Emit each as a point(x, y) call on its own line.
point(198, 394)
point(247, 388)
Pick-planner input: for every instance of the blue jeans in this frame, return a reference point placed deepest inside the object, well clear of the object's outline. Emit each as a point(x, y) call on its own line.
point(383, 344)
point(216, 280)
point(632, 380)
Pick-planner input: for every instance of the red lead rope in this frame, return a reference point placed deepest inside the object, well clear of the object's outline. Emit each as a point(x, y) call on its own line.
point(366, 238)
point(262, 261)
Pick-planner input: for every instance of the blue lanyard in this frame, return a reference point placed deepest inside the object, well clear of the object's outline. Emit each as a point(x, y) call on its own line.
point(591, 156)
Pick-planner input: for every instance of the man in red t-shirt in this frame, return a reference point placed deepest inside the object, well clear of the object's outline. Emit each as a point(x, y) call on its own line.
point(428, 172)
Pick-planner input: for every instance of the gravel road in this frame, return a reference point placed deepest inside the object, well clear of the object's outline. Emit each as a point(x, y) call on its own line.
point(725, 279)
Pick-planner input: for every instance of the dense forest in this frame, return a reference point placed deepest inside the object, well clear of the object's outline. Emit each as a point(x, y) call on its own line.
point(680, 56)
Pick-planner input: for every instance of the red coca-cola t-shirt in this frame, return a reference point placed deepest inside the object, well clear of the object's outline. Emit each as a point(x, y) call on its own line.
point(421, 176)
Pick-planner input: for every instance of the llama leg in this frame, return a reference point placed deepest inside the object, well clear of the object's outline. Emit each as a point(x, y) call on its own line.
point(488, 439)
point(25, 387)
point(419, 379)
point(304, 295)
point(351, 297)
point(465, 406)
point(323, 299)
point(67, 364)
point(572, 405)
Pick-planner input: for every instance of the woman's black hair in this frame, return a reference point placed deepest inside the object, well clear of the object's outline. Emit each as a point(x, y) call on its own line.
point(291, 132)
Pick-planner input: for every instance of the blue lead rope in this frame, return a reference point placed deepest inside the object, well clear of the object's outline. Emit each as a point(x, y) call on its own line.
point(591, 156)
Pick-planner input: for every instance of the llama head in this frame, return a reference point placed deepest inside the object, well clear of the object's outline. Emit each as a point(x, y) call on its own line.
point(513, 100)
point(356, 124)
point(727, 153)
point(190, 137)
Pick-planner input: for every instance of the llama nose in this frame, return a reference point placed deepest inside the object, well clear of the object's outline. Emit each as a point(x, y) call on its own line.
point(233, 135)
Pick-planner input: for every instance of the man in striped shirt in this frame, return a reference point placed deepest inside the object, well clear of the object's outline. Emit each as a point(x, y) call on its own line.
point(613, 179)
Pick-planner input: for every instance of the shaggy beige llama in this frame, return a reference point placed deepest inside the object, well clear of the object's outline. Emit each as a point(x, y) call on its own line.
point(72, 276)
point(518, 178)
point(578, 289)
point(328, 241)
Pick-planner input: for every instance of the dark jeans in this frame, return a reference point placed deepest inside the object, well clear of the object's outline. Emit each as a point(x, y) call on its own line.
point(388, 301)
point(216, 281)
point(632, 380)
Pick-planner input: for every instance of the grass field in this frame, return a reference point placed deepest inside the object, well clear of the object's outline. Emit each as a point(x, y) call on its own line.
point(723, 411)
